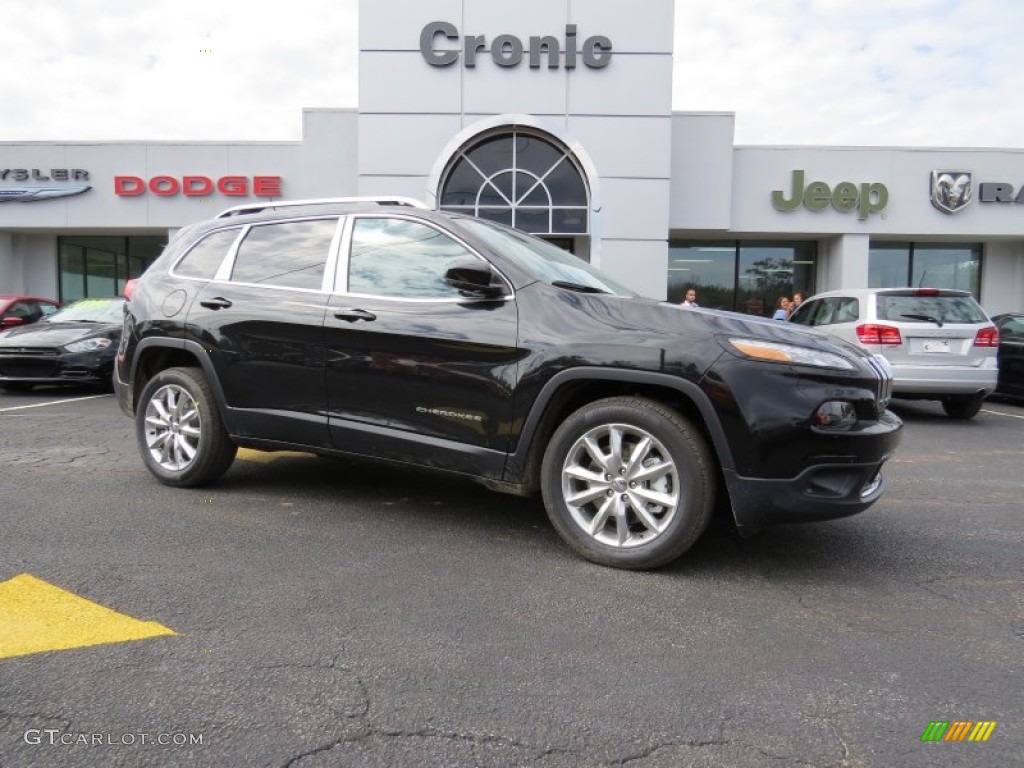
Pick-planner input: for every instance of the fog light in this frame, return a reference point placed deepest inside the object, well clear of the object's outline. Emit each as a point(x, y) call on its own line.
point(835, 414)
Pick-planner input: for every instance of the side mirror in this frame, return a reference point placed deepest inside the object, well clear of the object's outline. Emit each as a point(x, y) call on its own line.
point(474, 278)
point(12, 322)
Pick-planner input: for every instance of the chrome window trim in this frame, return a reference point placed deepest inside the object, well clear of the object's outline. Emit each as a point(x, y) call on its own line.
point(341, 283)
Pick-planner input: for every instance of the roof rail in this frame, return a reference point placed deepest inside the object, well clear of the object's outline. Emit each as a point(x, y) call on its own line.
point(238, 210)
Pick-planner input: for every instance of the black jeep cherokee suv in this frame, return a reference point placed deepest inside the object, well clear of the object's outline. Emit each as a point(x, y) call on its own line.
point(384, 330)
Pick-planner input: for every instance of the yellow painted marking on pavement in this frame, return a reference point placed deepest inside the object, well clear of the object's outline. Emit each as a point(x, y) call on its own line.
point(265, 457)
point(36, 617)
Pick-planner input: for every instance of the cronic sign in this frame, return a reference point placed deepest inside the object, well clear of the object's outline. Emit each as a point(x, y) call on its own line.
point(508, 50)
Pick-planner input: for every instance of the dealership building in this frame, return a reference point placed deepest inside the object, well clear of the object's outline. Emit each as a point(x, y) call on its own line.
point(556, 117)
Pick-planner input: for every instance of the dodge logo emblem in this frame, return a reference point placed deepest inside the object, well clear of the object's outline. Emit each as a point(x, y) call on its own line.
point(951, 190)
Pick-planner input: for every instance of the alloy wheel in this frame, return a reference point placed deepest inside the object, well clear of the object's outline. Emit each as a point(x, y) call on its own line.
point(620, 485)
point(173, 427)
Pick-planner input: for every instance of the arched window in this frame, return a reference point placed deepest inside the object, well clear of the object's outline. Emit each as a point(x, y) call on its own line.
point(519, 178)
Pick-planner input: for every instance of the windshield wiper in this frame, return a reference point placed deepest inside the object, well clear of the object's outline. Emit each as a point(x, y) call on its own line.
point(578, 287)
point(925, 318)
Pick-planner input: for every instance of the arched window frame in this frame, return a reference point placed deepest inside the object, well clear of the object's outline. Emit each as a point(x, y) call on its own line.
point(561, 216)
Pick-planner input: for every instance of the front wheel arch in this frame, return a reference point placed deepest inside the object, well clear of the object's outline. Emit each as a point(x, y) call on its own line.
point(571, 389)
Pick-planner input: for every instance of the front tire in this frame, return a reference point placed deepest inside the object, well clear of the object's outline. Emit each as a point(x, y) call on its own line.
point(179, 429)
point(962, 406)
point(628, 482)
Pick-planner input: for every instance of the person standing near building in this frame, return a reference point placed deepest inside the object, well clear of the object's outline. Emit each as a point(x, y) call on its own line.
point(794, 303)
point(781, 309)
point(691, 299)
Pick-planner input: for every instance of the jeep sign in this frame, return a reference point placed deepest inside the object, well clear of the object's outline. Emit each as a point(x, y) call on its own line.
point(847, 196)
point(508, 50)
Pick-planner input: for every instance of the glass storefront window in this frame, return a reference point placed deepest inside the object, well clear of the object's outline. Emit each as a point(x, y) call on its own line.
point(100, 266)
point(71, 259)
point(708, 268)
point(101, 277)
point(741, 276)
point(925, 265)
point(888, 265)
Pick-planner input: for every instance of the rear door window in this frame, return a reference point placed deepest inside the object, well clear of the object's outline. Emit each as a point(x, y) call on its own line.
point(804, 314)
point(290, 254)
point(828, 311)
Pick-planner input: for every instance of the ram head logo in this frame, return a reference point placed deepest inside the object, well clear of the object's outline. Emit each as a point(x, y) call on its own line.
point(951, 190)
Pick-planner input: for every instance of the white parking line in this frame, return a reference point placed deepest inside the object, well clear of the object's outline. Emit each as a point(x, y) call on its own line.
point(52, 402)
point(1001, 413)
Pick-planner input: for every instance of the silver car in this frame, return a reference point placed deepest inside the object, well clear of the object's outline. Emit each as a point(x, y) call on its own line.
point(940, 343)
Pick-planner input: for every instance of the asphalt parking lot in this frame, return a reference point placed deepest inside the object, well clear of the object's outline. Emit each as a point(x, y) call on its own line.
point(328, 613)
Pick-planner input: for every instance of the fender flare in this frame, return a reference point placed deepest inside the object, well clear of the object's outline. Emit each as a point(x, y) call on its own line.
point(197, 351)
point(518, 460)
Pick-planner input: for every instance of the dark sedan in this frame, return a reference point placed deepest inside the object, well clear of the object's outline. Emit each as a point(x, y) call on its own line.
point(1011, 354)
point(75, 345)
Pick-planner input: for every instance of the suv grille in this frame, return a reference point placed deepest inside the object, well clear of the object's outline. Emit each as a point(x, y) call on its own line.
point(883, 387)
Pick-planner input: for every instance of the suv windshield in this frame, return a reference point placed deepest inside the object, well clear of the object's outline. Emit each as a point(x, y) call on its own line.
point(914, 308)
point(90, 311)
point(544, 261)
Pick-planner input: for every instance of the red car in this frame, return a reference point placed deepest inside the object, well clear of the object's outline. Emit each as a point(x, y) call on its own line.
point(22, 310)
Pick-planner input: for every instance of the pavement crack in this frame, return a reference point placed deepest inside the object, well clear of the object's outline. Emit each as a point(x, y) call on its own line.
point(692, 744)
point(316, 751)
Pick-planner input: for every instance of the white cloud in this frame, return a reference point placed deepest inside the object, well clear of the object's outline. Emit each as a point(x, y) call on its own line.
point(907, 72)
point(903, 72)
point(174, 69)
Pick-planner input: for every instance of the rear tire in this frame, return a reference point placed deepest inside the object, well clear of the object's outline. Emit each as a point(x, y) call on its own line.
point(179, 429)
point(962, 406)
point(628, 482)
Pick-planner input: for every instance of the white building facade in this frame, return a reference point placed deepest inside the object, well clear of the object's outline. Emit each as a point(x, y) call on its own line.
point(554, 116)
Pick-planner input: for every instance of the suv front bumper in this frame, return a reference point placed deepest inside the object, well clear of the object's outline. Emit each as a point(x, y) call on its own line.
point(821, 491)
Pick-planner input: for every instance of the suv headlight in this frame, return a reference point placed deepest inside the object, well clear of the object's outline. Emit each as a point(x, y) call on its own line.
point(778, 352)
point(88, 345)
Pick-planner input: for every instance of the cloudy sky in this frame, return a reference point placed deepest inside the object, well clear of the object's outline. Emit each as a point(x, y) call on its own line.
point(852, 72)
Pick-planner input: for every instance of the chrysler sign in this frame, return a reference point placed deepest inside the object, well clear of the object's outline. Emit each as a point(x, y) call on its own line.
point(508, 50)
point(42, 187)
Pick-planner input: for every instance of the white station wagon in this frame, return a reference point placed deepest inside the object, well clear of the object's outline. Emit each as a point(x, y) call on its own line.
point(940, 343)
